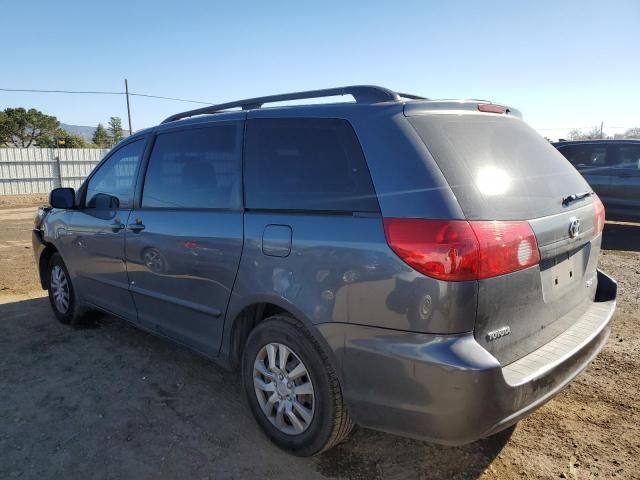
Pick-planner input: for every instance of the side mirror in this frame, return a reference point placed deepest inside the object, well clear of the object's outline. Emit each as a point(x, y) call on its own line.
point(62, 198)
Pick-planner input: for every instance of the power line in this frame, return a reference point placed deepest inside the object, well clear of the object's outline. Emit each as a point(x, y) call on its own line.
point(176, 99)
point(170, 98)
point(96, 92)
point(571, 128)
point(58, 91)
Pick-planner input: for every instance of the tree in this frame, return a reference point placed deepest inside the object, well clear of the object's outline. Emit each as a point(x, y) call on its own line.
point(5, 131)
point(62, 139)
point(632, 133)
point(101, 137)
point(50, 141)
point(23, 128)
point(115, 130)
point(72, 140)
point(594, 133)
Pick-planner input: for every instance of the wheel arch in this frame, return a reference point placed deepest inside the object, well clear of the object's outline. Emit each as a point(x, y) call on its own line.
point(43, 262)
point(243, 317)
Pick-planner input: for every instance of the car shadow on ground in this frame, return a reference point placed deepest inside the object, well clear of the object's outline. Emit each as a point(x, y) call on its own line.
point(621, 236)
point(111, 394)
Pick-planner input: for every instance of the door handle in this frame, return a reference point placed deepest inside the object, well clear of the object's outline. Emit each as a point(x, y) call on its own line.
point(136, 227)
point(117, 225)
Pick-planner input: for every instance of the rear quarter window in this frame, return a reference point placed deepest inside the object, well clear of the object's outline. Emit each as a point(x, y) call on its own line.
point(306, 164)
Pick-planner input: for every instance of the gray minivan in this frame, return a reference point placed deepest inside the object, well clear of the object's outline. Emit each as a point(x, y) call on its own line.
point(426, 268)
point(612, 168)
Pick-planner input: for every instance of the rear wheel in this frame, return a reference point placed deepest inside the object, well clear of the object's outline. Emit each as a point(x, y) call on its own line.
point(292, 390)
point(61, 292)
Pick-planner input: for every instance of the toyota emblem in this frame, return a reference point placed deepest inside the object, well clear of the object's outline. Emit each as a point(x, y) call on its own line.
point(574, 227)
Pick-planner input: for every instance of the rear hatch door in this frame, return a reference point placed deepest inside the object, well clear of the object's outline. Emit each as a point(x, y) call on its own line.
point(500, 169)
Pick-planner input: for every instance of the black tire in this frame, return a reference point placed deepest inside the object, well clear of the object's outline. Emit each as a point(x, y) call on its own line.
point(74, 313)
point(331, 422)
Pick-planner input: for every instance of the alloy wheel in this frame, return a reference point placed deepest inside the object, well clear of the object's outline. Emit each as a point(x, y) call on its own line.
point(284, 388)
point(60, 289)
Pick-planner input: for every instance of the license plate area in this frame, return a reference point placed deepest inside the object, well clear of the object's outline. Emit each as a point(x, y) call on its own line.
point(562, 274)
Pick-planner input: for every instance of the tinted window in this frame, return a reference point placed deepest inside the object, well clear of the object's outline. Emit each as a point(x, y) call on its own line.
point(498, 167)
point(628, 156)
point(306, 164)
point(586, 156)
point(197, 168)
point(116, 176)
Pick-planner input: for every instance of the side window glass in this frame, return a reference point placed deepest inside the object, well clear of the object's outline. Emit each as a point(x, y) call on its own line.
point(628, 156)
point(586, 157)
point(597, 156)
point(575, 154)
point(306, 164)
point(115, 177)
point(195, 168)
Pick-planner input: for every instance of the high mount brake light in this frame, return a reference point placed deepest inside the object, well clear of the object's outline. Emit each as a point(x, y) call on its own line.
point(458, 250)
point(491, 108)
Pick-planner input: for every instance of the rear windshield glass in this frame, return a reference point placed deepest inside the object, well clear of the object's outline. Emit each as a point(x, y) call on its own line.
point(498, 167)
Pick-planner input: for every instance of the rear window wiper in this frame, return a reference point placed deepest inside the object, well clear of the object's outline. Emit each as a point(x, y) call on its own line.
point(574, 197)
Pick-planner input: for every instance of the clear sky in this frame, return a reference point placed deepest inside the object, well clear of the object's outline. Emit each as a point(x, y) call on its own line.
point(562, 63)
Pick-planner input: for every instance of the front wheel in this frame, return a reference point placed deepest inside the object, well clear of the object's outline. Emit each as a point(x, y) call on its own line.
point(292, 390)
point(61, 292)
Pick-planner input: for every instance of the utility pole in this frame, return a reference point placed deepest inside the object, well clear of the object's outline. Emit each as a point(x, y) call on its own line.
point(601, 129)
point(126, 89)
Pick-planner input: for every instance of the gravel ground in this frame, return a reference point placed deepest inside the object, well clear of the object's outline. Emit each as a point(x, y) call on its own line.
point(112, 402)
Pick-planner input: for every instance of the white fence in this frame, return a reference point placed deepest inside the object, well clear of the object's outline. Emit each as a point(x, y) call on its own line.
point(39, 170)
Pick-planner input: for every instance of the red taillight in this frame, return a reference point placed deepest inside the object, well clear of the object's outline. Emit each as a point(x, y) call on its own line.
point(458, 250)
point(491, 108)
point(443, 249)
point(505, 247)
point(599, 221)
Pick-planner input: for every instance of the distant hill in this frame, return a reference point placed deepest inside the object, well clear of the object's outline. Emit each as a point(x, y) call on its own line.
point(85, 132)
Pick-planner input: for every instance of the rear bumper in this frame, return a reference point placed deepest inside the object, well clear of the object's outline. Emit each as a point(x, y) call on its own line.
point(449, 389)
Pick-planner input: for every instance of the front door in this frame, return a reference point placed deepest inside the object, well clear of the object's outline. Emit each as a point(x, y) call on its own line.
point(184, 240)
point(97, 229)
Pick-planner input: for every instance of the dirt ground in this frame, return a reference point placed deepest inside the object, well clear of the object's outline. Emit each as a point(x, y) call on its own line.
point(112, 402)
point(12, 201)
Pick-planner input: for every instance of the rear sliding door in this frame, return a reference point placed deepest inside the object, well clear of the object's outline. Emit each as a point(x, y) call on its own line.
point(184, 239)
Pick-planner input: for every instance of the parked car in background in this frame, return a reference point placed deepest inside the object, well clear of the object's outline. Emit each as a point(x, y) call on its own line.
point(422, 267)
point(612, 168)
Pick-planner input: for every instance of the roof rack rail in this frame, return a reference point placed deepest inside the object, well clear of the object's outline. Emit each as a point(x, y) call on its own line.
point(361, 94)
point(411, 96)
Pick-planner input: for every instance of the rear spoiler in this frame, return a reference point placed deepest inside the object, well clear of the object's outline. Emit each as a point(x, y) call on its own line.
point(419, 107)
